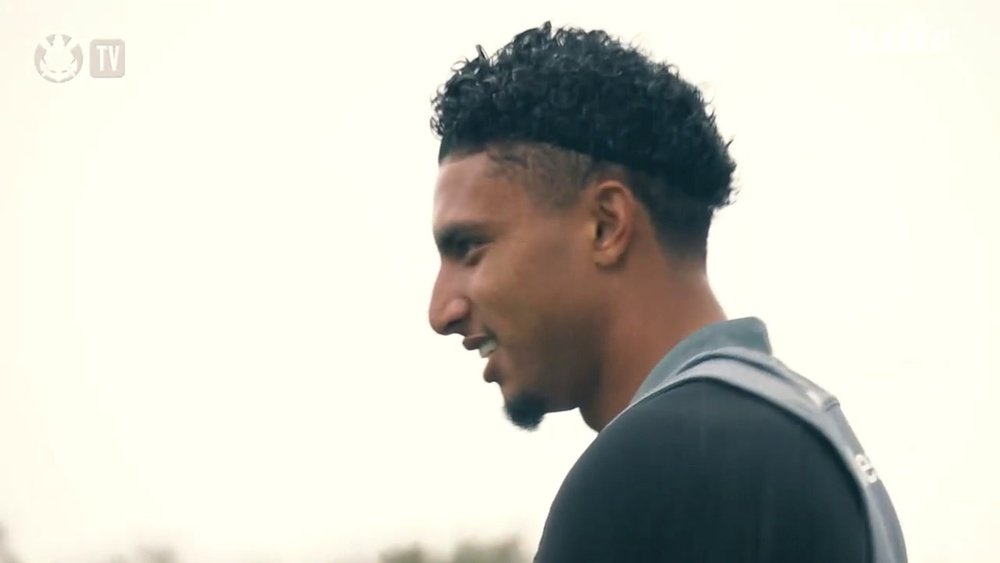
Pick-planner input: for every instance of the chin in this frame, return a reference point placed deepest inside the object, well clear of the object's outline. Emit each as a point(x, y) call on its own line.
point(526, 410)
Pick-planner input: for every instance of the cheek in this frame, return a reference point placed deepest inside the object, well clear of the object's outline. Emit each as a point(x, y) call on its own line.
point(512, 282)
point(529, 297)
point(530, 283)
point(494, 288)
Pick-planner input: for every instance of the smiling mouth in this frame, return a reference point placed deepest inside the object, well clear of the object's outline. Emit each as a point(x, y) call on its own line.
point(487, 348)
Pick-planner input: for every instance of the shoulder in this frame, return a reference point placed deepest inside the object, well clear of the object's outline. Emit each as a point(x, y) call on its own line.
point(697, 418)
point(705, 463)
point(697, 435)
point(710, 431)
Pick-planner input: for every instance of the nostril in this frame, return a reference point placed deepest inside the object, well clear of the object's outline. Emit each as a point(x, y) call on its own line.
point(450, 317)
point(452, 327)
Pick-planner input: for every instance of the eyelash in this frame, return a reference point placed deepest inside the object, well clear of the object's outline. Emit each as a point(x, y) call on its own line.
point(469, 246)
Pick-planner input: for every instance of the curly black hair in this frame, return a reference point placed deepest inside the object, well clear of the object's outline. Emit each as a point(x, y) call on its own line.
point(570, 103)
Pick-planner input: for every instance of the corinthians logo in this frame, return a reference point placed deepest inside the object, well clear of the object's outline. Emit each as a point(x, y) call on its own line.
point(58, 58)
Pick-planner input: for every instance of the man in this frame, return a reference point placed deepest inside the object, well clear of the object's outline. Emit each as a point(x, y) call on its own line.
point(577, 183)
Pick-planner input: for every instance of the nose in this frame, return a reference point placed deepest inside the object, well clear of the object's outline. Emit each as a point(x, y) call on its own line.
point(449, 309)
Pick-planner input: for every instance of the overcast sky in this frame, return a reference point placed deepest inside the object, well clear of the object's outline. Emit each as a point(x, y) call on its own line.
point(215, 271)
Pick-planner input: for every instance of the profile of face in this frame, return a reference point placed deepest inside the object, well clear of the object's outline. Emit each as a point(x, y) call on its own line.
point(518, 281)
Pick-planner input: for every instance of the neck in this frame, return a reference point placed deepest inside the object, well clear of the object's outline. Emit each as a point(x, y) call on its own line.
point(646, 325)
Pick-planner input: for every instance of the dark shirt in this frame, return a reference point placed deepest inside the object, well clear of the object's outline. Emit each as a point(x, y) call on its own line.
point(707, 473)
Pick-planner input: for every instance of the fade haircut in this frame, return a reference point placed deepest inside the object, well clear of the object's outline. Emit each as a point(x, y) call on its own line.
point(558, 109)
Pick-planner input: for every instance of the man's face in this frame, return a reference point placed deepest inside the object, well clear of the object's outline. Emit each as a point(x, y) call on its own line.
point(516, 281)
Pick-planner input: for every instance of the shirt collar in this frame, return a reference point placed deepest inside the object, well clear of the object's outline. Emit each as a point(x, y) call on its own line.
point(747, 332)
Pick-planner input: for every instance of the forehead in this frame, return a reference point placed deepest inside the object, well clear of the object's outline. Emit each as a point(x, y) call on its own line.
point(469, 189)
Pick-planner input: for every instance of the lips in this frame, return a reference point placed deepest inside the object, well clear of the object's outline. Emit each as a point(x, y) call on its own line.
point(487, 347)
point(485, 343)
point(491, 372)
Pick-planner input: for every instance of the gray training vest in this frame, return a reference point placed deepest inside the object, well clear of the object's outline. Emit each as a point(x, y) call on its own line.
point(765, 376)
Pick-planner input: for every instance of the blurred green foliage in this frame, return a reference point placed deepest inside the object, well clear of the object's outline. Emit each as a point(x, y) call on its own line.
point(504, 551)
point(508, 551)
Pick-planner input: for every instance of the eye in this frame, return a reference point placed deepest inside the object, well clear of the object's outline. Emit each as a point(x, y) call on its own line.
point(469, 250)
point(461, 245)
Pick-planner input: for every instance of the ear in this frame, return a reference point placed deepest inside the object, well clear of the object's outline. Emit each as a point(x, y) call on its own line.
point(614, 210)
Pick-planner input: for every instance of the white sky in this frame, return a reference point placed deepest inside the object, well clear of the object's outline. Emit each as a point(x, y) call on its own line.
point(214, 272)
